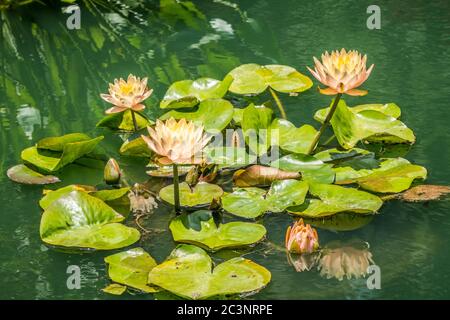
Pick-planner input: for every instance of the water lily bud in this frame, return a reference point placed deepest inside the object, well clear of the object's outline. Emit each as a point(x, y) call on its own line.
point(301, 238)
point(112, 172)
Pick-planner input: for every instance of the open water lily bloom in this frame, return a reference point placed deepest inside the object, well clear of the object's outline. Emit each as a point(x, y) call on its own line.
point(301, 238)
point(342, 72)
point(177, 142)
point(127, 94)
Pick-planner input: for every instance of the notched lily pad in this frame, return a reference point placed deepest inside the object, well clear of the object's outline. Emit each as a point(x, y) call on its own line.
point(22, 174)
point(201, 195)
point(199, 228)
point(83, 221)
point(252, 202)
point(188, 272)
point(131, 268)
point(124, 121)
point(332, 199)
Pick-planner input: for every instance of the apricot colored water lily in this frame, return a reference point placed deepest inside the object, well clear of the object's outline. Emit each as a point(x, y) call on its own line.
point(301, 238)
point(127, 94)
point(177, 142)
point(342, 72)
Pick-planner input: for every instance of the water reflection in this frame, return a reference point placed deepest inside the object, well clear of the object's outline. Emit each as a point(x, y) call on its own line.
point(28, 117)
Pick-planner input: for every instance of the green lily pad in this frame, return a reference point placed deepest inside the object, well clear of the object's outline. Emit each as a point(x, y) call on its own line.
point(340, 222)
point(229, 157)
point(291, 138)
point(213, 114)
point(58, 143)
point(167, 171)
point(254, 79)
point(351, 127)
point(331, 199)
point(255, 125)
point(394, 175)
point(202, 194)
point(389, 109)
point(115, 289)
point(111, 194)
point(199, 228)
point(252, 202)
point(188, 273)
point(83, 221)
point(135, 148)
point(237, 115)
point(52, 195)
point(311, 168)
point(335, 155)
point(22, 174)
point(131, 268)
point(188, 93)
point(41, 156)
point(124, 121)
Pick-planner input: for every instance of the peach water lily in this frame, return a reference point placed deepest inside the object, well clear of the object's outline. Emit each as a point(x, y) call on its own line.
point(301, 238)
point(342, 72)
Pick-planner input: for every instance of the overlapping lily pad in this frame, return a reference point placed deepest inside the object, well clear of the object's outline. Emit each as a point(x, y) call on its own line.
point(213, 114)
point(229, 157)
point(389, 109)
point(124, 121)
point(51, 154)
point(201, 195)
point(22, 174)
point(188, 272)
point(331, 199)
point(252, 202)
point(83, 221)
point(131, 268)
point(254, 79)
point(188, 93)
point(255, 125)
point(52, 195)
point(199, 228)
point(290, 138)
point(135, 148)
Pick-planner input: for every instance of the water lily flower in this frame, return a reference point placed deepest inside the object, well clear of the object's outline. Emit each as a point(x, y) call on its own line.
point(346, 261)
point(301, 238)
point(112, 172)
point(129, 94)
point(342, 72)
point(177, 142)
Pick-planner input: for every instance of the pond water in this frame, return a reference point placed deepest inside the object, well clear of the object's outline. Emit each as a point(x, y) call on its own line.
point(51, 77)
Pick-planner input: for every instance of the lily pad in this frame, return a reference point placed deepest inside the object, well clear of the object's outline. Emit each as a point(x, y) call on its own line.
point(331, 199)
point(213, 114)
point(111, 194)
point(83, 221)
point(115, 289)
point(124, 121)
point(389, 109)
point(290, 138)
point(72, 149)
point(340, 222)
point(188, 93)
point(394, 175)
point(335, 155)
point(311, 168)
point(351, 127)
point(167, 171)
point(257, 175)
point(202, 194)
point(255, 125)
point(229, 157)
point(135, 148)
point(131, 268)
point(252, 202)
point(188, 272)
point(22, 174)
point(52, 195)
point(254, 79)
point(199, 228)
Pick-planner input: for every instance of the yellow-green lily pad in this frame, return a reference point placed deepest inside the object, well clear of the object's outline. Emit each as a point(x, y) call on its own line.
point(22, 174)
point(123, 121)
point(201, 195)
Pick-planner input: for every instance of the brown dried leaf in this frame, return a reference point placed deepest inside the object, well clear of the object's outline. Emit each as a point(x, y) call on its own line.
point(258, 175)
point(425, 192)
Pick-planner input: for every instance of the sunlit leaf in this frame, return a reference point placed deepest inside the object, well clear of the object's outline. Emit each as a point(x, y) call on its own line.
point(135, 148)
point(389, 109)
point(115, 289)
point(291, 138)
point(202, 194)
point(124, 121)
point(22, 174)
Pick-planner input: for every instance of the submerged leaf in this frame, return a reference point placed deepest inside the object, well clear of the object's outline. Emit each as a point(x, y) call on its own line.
point(426, 192)
point(199, 228)
point(188, 273)
point(340, 222)
point(201, 195)
point(22, 174)
point(258, 175)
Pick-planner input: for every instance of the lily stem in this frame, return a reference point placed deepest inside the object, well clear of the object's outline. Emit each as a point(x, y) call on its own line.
point(133, 116)
point(278, 102)
point(325, 123)
point(176, 189)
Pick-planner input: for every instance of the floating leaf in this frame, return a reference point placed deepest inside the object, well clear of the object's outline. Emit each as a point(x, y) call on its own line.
point(80, 220)
point(135, 148)
point(335, 155)
point(351, 127)
point(254, 79)
point(255, 126)
point(115, 289)
point(257, 175)
point(167, 171)
point(52, 195)
point(340, 222)
point(53, 161)
point(311, 168)
point(389, 109)
point(202, 194)
point(213, 114)
point(188, 273)
point(131, 268)
point(124, 121)
point(58, 143)
point(22, 174)
point(291, 138)
point(252, 202)
point(424, 192)
point(188, 93)
point(331, 199)
point(229, 157)
point(394, 175)
point(199, 228)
